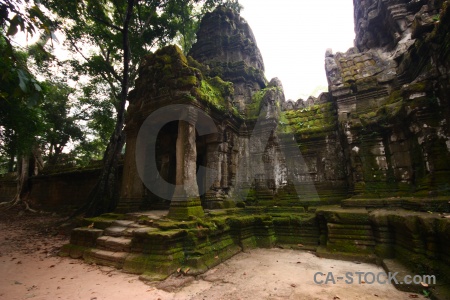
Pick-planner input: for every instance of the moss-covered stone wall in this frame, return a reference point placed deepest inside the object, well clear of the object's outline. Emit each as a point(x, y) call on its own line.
point(392, 102)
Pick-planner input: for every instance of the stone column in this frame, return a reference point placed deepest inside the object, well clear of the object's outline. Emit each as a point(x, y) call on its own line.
point(186, 201)
point(132, 190)
point(212, 199)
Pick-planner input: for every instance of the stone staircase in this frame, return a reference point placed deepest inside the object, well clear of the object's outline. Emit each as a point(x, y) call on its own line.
point(112, 245)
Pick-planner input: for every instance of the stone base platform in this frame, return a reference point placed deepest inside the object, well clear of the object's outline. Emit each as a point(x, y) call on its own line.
point(154, 246)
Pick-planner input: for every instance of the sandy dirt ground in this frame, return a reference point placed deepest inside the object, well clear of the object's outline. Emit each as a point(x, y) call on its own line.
point(31, 269)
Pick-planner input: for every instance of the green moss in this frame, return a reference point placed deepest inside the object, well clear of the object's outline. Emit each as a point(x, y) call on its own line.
point(187, 81)
point(190, 208)
point(312, 122)
point(163, 234)
point(395, 96)
point(212, 95)
point(195, 64)
point(418, 87)
point(216, 92)
point(208, 241)
point(103, 221)
point(225, 88)
point(154, 266)
point(237, 70)
point(170, 54)
point(253, 109)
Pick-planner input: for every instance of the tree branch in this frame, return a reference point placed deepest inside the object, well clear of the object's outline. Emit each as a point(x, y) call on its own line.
point(108, 80)
point(109, 67)
point(107, 23)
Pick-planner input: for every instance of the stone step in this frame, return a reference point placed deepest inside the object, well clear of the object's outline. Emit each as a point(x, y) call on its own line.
point(114, 243)
point(141, 231)
point(84, 236)
point(130, 231)
point(115, 231)
point(394, 266)
point(347, 256)
point(122, 223)
point(106, 258)
point(439, 291)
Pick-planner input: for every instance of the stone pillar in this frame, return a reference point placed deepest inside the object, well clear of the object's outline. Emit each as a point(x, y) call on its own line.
point(224, 164)
point(212, 196)
point(186, 201)
point(132, 190)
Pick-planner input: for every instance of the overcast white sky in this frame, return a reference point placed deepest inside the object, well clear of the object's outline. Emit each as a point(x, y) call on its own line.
point(293, 36)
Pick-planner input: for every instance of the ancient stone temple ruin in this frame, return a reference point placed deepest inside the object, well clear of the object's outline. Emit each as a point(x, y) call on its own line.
point(361, 171)
point(224, 77)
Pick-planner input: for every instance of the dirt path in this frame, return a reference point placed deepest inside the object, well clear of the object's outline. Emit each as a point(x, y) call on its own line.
point(31, 269)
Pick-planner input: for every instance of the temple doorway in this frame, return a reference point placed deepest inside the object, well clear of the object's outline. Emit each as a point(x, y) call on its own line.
point(165, 156)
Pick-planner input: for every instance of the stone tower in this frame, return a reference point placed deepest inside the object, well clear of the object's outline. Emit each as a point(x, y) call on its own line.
point(227, 47)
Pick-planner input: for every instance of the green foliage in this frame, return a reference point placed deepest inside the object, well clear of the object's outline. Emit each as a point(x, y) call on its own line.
point(20, 15)
point(234, 5)
point(20, 93)
point(188, 16)
point(97, 25)
point(60, 126)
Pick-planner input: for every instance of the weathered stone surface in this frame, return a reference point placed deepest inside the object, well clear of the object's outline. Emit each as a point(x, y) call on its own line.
point(114, 243)
point(380, 135)
point(381, 131)
point(392, 107)
point(227, 47)
point(418, 240)
point(85, 236)
point(106, 258)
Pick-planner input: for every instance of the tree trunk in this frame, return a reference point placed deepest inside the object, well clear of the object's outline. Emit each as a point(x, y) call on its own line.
point(11, 163)
point(25, 169)
point(104, 196)
point(23, 174)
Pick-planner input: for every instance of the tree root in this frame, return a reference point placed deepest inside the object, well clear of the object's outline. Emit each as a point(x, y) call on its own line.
point(16, 201)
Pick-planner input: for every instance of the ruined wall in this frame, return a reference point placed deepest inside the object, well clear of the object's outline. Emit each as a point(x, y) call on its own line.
point(227, 47)
point(392, 95)
point(313, 124)
point(63, 189)
point(8, 187)
point(381, 131)
point(57, 187)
